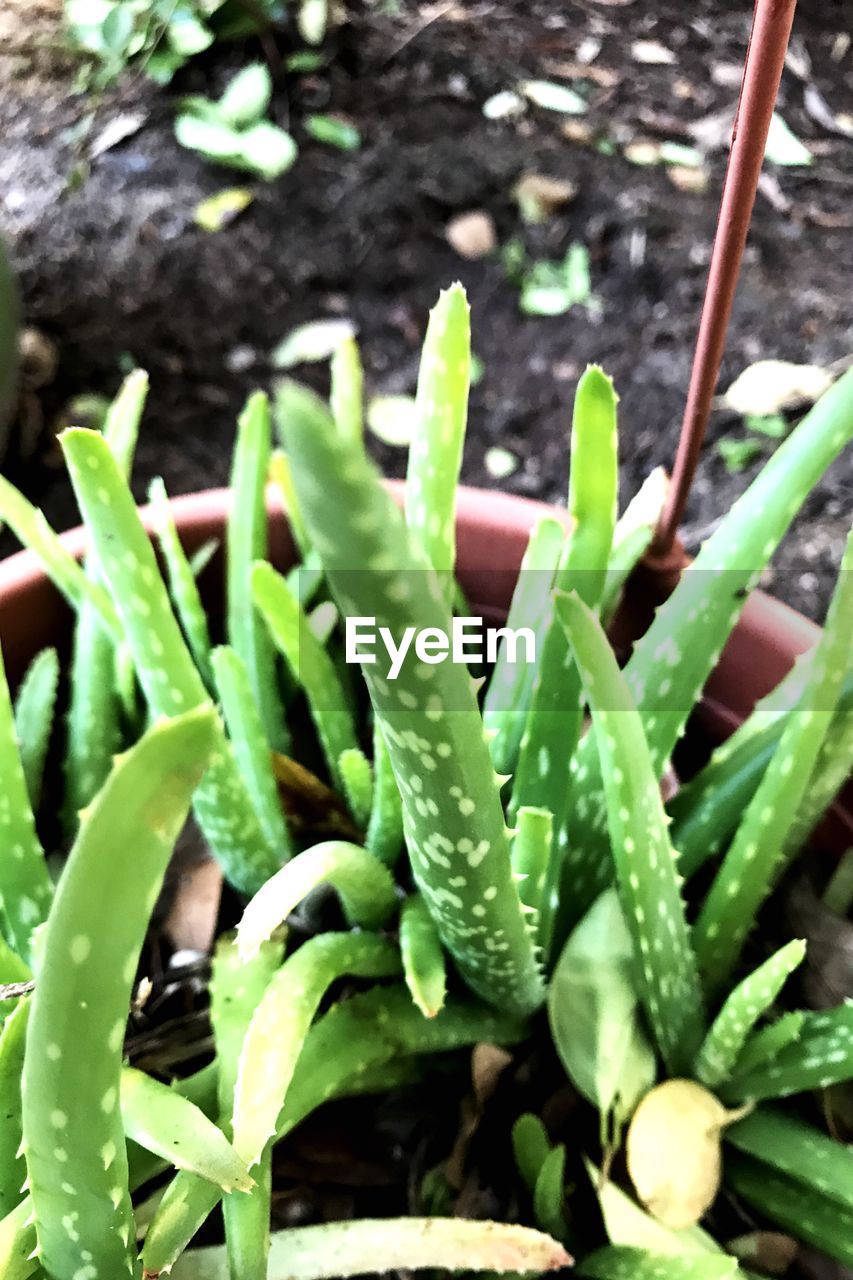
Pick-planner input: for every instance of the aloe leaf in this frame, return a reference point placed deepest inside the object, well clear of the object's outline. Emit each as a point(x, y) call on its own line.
point(33, 531)
point(633, 536)
point(163, 1122)
point(357, 778)
point(619, 1262)
point(642, 855)
point(670, 665)
point(34, 708)
point(281, 1021)
point(423, 958)
point(18, 1261)
point(831, 771)
point(18, 1243)
point(73, 1134)
point(182, 582)
point(93, 726)
point(806, 1214)
point(555, 716)
point(594, 1012)
point(247, 542)
point(756, 857)
point(750, 999)
point(530, 1148)
point(280, 475)
point(762, 1046)
point(548, 1193)
point(410, 1244)
point(441, 414)
point(821, 1055)
point(707, 810)
point(453, 818)
point(510, 687)
point(13, 1170)
point(121, 425)
point(363, 882)
point(309, 663)
point(163, 662)
point(531, 853)
point(387, 1028)
point(384, 836)
point(25, 888)
point(250, 746)
point(797, 1149)
point(93, 731)
point(347, 390)
point(236, 991)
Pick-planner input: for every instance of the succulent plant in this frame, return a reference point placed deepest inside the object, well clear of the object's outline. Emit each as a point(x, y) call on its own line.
point(493, 852)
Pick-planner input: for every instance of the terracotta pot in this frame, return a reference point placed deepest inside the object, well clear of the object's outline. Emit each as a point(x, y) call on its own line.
point(493, 532)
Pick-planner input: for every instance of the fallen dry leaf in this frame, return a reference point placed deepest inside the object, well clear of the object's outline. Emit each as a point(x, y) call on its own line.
point(687, 178)
point(472, 234)
point(652, 53)
point(771, 386)
point(769, 1251)
point(538, 197)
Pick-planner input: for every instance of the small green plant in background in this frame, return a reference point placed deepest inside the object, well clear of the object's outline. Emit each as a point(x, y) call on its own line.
point(494, 858)
point(161, 36)
point(233, 131)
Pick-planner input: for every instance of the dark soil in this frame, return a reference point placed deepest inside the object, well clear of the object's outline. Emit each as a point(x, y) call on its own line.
point(113, 268)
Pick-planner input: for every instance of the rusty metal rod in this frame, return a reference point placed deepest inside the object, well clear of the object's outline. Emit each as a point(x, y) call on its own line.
point(765, 60)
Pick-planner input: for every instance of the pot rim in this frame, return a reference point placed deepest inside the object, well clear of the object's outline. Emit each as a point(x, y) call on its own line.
point(768, 638)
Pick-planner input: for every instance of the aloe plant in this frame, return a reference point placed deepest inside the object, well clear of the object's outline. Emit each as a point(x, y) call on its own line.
point(390, 848)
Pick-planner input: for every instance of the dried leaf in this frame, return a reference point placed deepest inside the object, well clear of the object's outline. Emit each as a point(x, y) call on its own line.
point(220, 210)
point(771, 386)
point(553, 97)
point(538, 197)
point(472, 234)
point(652, 53)
point(505, 105)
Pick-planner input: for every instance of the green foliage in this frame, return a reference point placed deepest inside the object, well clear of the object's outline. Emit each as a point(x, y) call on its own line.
point(362, 881)
point(643, 857)
point(730, 1031)
point(421, 771)
point(72, 1128)
point(458, 845)
point(423, 959)
point(820, 1055)
point(160, 35)
point(554, 719)
point(594, 1014)
point(183, 587)
point(246, 543)
point(619, 1262)
point(233, 131)
point(25, 891)
point(163, 662)
point(670, 664)
point(34, 709)
point(755, 859)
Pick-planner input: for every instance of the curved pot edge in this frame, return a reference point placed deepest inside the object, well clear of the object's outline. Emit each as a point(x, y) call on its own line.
point(494, 527)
